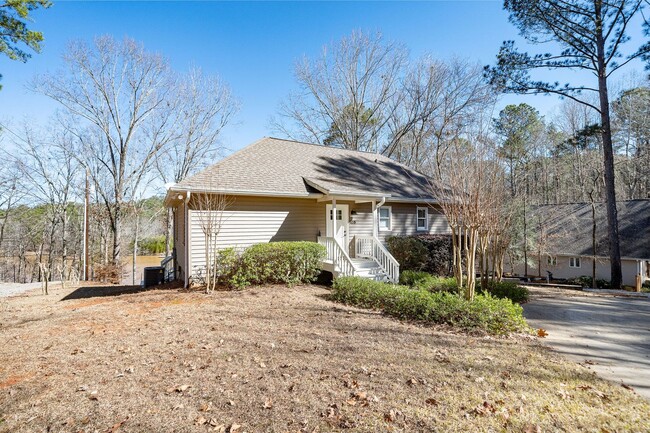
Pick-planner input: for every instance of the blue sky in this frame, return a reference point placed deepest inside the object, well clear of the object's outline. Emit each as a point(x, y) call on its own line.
point(253, 45)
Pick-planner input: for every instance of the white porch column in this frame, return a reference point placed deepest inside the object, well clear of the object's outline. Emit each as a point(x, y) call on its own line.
point(375, 232)
point(334, 218)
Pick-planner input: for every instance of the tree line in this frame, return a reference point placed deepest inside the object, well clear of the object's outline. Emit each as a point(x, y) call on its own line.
point(126, 123)
point(127, 120)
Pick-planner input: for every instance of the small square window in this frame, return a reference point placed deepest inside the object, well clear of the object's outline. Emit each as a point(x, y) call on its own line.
point(385, 218)
point(574, 262)
point(339, 214)
point(422, 219)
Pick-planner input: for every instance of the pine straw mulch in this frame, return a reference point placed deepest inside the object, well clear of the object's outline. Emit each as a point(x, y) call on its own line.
point(277, 359)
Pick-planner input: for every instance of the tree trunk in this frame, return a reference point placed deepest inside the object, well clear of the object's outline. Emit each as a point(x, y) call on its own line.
point(525, 241)
point(117, 238)
point(135, 247)
point(593, 242)
point(608, 158)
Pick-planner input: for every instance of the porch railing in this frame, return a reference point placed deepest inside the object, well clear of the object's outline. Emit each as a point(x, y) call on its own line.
point(372, 248)
point(339, 257)
point(168, 264)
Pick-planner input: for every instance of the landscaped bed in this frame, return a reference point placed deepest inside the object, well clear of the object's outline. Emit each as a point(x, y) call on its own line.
point(279, 359)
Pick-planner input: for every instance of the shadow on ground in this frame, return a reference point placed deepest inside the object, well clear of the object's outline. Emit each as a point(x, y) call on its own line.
point(115, 290)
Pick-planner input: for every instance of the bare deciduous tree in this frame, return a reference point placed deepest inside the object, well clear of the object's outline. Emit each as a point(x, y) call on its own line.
point(210, 208)
point(116, 95)
point(348, 95)
point(204, 106)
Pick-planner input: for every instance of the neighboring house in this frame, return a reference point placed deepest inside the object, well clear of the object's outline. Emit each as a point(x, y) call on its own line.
point(281, 190)
point(567, 241)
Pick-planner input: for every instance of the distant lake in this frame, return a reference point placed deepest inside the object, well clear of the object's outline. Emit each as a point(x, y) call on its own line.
point(141, 262)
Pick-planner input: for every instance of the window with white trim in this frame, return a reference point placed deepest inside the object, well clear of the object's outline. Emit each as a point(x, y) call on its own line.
point(422, 219)
point(385, 218)
point(574, 262)
point(551, 261)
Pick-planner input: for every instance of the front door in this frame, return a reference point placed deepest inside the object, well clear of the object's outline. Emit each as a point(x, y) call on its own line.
point(342, 224)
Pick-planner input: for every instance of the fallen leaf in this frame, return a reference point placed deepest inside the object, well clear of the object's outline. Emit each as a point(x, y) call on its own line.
point(234, 428)
point(117, 425)
point(200, 421)
point(268, 403)
point(627, 386)
point(431, 401)
point(532, 428)
point(93, 395)
point(411, 382)
point(541, 332)
point(183, 388)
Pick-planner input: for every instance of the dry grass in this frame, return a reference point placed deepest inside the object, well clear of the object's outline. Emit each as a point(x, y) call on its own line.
point(274, 359)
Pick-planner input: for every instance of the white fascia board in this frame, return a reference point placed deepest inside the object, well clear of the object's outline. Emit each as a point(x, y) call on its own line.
point(249, 192)
point(412, 200)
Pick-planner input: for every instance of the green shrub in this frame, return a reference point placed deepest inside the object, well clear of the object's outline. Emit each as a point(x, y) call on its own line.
point(586, 281)
point(508, 290)
point(430, 253)
point(279, 262)
point(151, 245)
point(227, 264)
point(410, 253)
point(485, 313)
point(440, 253)
point(426, 281)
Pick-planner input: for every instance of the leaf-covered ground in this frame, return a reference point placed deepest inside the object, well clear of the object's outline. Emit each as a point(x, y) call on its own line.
point(273, 359)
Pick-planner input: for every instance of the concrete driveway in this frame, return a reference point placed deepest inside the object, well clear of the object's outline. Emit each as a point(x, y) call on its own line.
point(609, 334)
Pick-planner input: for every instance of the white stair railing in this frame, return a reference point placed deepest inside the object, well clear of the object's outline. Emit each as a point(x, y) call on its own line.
point(339, 257)
point(372, 248)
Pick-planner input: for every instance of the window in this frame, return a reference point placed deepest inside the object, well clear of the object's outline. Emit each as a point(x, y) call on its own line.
point(574, 262)
point(422, 219)
point(551, 261)
point(385, 218)
point(339, 214)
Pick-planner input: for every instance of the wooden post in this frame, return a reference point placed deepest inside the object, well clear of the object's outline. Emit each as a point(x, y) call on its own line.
point(334, 219)
point(374, 219)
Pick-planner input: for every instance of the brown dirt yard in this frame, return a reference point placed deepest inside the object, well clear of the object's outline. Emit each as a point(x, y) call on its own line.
point(277, 359)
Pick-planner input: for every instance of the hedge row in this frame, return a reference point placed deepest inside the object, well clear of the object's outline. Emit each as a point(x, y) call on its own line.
point(485, 313)
point(270, 263)
point(431, 283)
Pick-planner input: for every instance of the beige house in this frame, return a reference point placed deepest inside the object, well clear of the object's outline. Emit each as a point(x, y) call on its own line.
point(567, 249)
point(281, 190)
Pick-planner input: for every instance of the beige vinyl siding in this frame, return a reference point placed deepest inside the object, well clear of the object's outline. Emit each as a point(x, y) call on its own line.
point(251, 220)
point(404, 220)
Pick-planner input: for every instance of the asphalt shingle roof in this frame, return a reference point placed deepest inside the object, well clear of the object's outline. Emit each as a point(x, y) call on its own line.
point(277, 166)
point(569, 228)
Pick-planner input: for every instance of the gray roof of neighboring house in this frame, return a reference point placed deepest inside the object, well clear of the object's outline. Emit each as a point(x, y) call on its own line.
point(569, 228)
point(275, 166)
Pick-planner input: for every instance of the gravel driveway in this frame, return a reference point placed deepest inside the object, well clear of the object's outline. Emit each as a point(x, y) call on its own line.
point(609, 334)
point(11, 289)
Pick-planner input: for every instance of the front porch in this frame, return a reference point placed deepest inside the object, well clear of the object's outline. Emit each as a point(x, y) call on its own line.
point(355, 253)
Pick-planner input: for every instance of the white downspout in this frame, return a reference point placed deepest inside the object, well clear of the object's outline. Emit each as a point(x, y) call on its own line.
point(186, 276)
